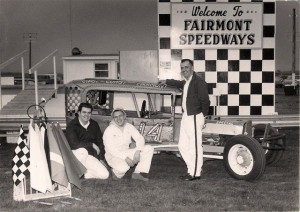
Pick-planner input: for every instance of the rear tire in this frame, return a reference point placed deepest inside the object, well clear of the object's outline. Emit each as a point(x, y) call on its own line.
point(244, 158)
point(272, 156)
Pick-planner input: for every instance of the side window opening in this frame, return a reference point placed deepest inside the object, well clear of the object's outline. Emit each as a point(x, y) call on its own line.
point(136, 105)
point(101, 101)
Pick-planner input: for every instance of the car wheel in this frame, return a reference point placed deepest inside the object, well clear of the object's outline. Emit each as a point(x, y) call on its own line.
point(272, 156)
point(244, 158)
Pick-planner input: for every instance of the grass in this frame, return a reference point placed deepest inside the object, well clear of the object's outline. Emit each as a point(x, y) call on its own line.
point(277, 190)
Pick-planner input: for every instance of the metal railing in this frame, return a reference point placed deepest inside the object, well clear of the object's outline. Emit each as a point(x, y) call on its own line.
point(35, 70)
point(8, 62)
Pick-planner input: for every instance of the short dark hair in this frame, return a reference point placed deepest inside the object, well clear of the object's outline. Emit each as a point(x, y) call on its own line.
point(187, 60)
point(86, 105)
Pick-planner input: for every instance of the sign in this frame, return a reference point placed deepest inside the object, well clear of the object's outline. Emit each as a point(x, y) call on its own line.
point(216, 25)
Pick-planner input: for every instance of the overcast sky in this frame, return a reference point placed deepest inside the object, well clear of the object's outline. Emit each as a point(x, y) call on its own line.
point(104, 26)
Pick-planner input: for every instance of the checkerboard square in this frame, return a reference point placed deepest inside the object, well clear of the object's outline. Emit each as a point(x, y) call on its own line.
point(233, 88)
point(245, 88)
point(233, 54)
point(267, 77)
point(199, 54)
point(234, 0)
point(256, 77)
point(233, 65)
point(188, 54)
point(223, 88)
point(233, 77)
point(222, 65)
point(268, 65)
point(210, 65)
point(211, 77)
point(245, 77)
point(256, 54)
point(255, 100)
point(233, 110)
point(222, 77)
point(245, 65)
point(244, 110)
point(165, 55)
point(222, 110)
point(164, 19)
point(211, 54)
point(256, 65)
point(164, 43)
point(269, 7)
point(255, 110)
point(199, 65)
point(223, 100)
point(256, 88)
point(244, 100)
point(269, 31)
point(233, 100)
point(268, 54)
point(245, 54)
point(222, 54)
point(267, 100)
point(268, 88)
point(176, 54)
point(164, 31)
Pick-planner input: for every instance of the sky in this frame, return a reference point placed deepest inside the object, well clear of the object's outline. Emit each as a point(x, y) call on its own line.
point(103, 27)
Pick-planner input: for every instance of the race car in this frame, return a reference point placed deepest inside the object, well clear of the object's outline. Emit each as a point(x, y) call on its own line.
point(155, 110)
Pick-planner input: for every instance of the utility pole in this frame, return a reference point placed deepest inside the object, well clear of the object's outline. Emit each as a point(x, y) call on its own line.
point(29, 38)
point(294, 49)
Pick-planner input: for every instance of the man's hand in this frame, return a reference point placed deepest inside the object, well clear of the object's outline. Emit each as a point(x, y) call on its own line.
point(96, 148)
point(129, 162)
point(137, 157)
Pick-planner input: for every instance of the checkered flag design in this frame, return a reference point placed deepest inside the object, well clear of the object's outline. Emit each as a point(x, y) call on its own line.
point(20, 161)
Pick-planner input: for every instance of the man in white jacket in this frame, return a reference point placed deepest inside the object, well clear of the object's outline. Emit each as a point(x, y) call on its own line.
point(125, 147)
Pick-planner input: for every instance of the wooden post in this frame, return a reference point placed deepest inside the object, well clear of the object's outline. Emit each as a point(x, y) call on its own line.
point(55, 77)
point(23, 73)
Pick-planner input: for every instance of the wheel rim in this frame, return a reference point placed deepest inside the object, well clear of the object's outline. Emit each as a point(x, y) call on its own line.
point(240, 159)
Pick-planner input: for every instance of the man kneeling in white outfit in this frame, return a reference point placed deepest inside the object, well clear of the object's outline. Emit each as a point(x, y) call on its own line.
point(121, 153)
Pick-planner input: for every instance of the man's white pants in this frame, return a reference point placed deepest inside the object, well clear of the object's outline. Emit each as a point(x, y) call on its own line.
point(120, 167)
point(95, 169)
point(190, 137)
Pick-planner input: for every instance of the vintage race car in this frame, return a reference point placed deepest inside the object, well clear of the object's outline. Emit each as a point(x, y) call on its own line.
point(155, 111)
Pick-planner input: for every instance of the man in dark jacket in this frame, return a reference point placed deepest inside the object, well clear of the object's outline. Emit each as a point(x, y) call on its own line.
point(195, 106)
point(85, 139)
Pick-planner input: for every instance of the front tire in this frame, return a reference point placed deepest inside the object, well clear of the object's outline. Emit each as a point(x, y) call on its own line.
point(244, 158)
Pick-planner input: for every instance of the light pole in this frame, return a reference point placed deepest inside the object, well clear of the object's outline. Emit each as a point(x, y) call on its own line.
point(29, 38)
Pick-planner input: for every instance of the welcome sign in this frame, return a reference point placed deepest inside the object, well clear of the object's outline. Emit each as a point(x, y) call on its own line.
point(221, 25)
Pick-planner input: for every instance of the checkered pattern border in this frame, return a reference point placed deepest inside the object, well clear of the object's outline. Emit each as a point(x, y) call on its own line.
point(246, 77)
point(20, 161)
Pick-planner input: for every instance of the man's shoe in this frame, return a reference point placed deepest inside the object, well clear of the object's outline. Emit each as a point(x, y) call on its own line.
point(184, 176)
point(114, 177)
point(191, 178)
point(138, 176)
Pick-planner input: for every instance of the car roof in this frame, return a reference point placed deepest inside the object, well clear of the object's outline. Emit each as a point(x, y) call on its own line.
point(124, 85)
